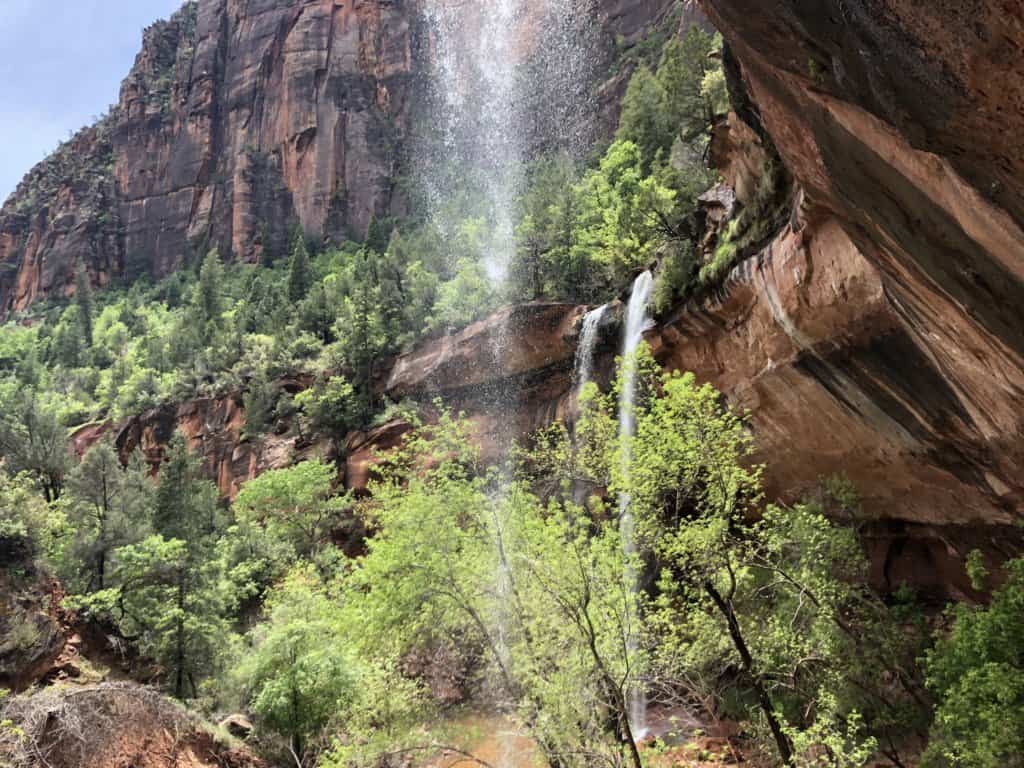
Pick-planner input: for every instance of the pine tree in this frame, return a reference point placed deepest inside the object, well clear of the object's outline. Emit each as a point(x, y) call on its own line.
point(185, 506)
point(83, 302)
point(644, 120)
point(260, 401)
point(106, 505)
point(299, 277)
point(211, 284)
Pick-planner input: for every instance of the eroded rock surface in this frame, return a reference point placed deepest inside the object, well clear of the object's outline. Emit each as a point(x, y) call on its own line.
point(213, 429)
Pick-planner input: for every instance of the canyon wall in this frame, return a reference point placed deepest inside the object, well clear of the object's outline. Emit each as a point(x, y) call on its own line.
point(240, 120)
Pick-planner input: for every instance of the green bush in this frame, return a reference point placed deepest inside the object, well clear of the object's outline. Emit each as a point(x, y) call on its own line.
point(977, 675)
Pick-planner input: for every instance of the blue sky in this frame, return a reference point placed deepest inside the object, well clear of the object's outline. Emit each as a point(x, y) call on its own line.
point(61, 63)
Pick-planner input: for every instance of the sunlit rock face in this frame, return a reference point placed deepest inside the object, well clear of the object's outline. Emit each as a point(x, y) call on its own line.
point(213, 430)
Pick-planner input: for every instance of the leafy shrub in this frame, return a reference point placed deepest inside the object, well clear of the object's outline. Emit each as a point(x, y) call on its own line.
point(977, 673)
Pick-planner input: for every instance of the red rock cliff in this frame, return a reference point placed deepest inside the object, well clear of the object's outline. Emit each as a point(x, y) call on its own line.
point(239, 119)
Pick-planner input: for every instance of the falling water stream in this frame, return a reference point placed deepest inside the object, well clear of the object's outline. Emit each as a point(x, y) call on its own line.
point(508, 77)
point(637, 321)
point(584, 366)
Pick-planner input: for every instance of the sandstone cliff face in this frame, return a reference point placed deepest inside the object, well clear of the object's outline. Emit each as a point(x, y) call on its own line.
point(213, 429)
point(275, 112)
point(64, 213)
point(886, 337)
point(239, 120)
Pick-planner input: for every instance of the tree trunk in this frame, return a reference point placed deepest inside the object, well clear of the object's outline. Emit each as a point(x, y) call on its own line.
point(179, 659)
point(765, 701)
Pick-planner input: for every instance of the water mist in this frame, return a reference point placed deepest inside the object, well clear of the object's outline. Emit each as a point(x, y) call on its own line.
point(491, 116)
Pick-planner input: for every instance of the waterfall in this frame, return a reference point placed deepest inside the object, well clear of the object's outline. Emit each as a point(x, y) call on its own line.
point(584, 366)
point(509, 79)
point(637, 321)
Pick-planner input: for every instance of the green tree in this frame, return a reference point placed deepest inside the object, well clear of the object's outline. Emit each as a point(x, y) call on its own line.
point(317, 314)
point(295, 504)
point(260, 403)
point(781, 602)
point(32, 440)
point(168, 601)
point(361, 324)
point(687, 105)
point(977, 673)
point(333, 407)
point(532, 585)
point(297, 672)
point(185, 503)
point(29, 528)
point(625, 216)
point(209, 290)
point(107, 506)
point(66, 342)
point(300, 277)
point(465, 298)
point(546, 264)
point(644, 120)
point(83, 305)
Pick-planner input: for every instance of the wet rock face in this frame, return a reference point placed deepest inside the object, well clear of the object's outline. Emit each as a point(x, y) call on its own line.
point(808, 337)
point(903, 120)
point(510, 373)
point(886, 338)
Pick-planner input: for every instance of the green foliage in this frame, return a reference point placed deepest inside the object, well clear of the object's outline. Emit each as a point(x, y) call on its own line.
point(464, 298)
point(680, 100)
point(755, 223)
point(164, 593)
point(546, 266)
point(208, 298)
point(260, 403)
point(29, 527)
point(541, 594)
point(294, 505)
point(296, 673)
point(32, 440)
point(332, 407)
point(107, 507)
point(185, 503)
point(625, 215)
point(644, 120)
point(977, 673)
point(676, 277)
point(166, 599)
point(781, 600)
point(299, 278)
